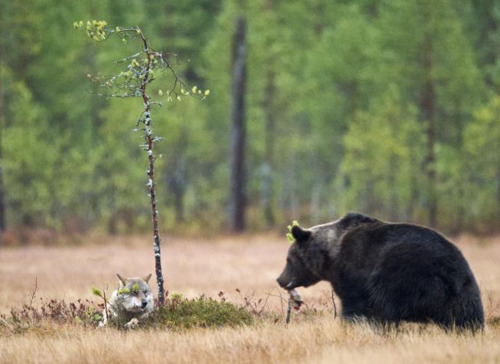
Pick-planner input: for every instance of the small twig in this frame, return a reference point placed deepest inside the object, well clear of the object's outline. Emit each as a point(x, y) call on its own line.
point(264, 305)
point(281, 300)
point(128, 58)
point(105, 303)
point(6, 323)
point(33, 293)
point(280, 296)
point(334, 305)
point(288, 311)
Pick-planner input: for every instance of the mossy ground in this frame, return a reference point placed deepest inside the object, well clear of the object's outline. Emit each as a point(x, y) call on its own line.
point(201, 312)
point(178, 313)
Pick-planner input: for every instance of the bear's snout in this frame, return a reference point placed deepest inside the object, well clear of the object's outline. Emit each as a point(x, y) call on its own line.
point(284, 281)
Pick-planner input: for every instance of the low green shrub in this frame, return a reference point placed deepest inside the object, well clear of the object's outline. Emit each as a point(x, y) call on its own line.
point(182, 313)
point(177, 313)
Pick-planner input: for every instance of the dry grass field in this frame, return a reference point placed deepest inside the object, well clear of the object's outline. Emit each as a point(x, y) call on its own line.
point(195, 267)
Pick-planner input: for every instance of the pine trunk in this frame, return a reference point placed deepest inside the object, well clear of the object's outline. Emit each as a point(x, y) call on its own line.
point(237, 203)
point(498, 193)
point(429, 116)
point(3, 220)
point(268, 167)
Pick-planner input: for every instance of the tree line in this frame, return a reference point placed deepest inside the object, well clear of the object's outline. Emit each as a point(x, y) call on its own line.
point(389, 108)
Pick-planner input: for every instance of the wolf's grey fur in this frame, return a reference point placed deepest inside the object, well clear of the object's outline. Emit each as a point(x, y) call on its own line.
point(131, 302)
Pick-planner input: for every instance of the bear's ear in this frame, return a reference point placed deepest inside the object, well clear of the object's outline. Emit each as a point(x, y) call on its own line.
point(300, 235)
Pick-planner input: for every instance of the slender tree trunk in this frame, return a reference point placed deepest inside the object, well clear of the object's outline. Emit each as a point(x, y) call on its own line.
point(393, 197)
point(293, 194)
point(176, 181)
point(3, 220)
point(289, 198)
point(268, 167)
point(492, 33)
point(93, 197)
point(459, 222)
point(169, 28)
point(113, 220)
point(498, 194)
point(316, 202)
point(179, 191)
point(371, 202)
point(412, 202)
point(237, 203)
point(428, 109)
point(149, 143)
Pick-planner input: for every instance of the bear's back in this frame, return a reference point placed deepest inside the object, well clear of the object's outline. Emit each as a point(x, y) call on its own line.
point(415, 243)
point(370, 241)
point(403, 251)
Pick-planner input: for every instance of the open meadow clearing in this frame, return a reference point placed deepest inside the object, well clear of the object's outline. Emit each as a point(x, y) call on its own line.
point(220, 122)
point(195, 267)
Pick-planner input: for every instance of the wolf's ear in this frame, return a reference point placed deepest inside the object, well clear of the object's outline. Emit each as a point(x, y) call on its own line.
point(300, 235)
point(147, 278)
point(123, 282)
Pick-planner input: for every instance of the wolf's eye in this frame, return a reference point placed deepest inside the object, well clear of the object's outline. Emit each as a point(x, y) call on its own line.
point(146, 291)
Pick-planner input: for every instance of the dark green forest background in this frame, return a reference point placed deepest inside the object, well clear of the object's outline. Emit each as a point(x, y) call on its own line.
point(391, 108)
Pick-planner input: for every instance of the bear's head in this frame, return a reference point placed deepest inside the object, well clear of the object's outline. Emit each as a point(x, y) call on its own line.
point(314, 250)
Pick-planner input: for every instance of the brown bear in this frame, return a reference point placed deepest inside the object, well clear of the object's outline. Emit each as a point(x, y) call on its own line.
point(386, 272)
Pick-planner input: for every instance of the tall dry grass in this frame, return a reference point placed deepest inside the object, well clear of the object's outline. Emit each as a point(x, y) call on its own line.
point(195, 267)
point(321, 340)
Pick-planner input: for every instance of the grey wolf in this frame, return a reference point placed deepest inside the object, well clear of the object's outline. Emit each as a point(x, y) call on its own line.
point(386, 272)
point(131, 302)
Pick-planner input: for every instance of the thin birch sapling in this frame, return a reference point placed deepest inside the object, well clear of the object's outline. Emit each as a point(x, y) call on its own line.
point(139, 70)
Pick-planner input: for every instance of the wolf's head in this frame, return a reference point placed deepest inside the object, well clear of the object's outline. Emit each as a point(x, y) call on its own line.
point(134, 295)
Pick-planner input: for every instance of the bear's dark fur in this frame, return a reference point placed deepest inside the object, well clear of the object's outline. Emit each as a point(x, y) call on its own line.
point(387, 272)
